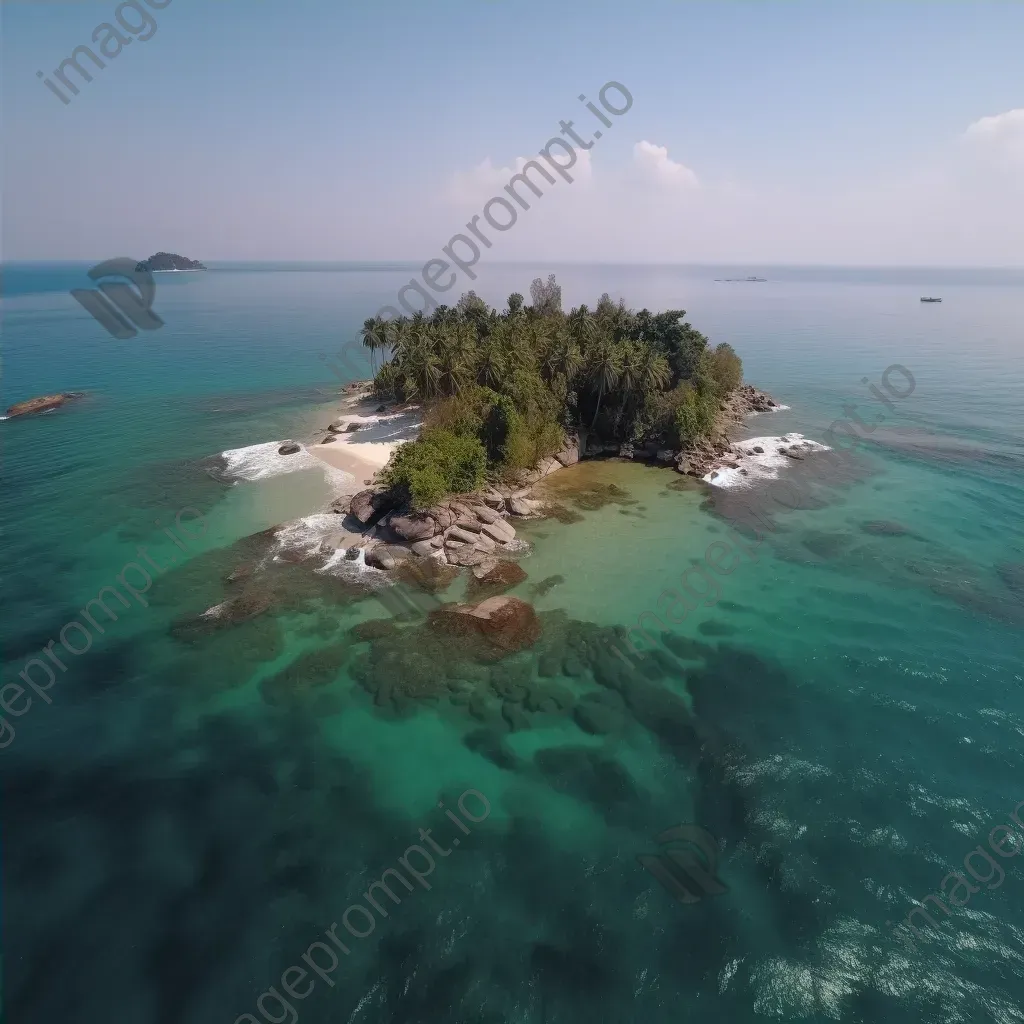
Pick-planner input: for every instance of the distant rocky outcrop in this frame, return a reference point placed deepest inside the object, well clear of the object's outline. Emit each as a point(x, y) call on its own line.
point(169, 261)
point(44, 403)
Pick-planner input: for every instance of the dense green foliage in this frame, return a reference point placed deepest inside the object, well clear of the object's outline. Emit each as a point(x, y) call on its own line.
point(515, 382)
point(438, 463)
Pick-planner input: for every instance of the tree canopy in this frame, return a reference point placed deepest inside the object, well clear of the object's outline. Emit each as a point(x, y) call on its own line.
point(514, 382)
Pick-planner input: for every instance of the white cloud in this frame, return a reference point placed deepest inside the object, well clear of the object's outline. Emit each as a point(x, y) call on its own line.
point(654, 161)
point(1000, 137)
point(475, 186)
point(963, 207)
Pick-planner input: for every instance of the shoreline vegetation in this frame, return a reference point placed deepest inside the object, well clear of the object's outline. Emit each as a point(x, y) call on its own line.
point(470, 407)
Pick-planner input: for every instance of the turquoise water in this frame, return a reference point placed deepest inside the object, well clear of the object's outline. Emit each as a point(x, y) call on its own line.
point(842, 711)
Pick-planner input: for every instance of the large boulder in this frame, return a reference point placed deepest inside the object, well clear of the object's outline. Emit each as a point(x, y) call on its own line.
point(368, 504)
point(443, 516)
point(493, 499)
point(569, 457)
point(386, 556)
point(485, 514)
point(289, 448)
point(522, 507)
point(506, 623)
point(465, 555)
point(500, 531)
point(413, 526)
point(379, 557)
point(456, 533)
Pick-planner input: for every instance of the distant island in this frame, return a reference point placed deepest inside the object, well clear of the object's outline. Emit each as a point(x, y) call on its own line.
point(743, 280)
point(164, 261)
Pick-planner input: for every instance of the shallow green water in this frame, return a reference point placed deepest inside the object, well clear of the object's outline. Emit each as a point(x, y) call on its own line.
point(842, 711)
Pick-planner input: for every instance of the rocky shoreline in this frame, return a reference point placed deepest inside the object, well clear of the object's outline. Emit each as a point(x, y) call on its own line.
point(475, 530)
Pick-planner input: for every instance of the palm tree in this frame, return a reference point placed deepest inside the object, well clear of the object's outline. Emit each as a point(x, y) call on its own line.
point(655, 373)
point(582, 326)
point(563, 357)
point(375, 335)
point(604, 370)
point(420, 362)
point(490, 363)
point(630, 368)
point(453, 348)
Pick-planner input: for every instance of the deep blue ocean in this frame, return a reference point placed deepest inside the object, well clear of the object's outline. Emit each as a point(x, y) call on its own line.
point(196, 810)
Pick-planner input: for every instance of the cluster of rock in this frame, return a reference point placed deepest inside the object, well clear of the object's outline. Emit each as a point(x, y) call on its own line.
point(469, 530)
point(44, 403)
point(703, 456)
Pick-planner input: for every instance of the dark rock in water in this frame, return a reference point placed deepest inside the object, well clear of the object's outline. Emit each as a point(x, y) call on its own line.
point(757, 450)
point(506, 623)
point(884, 528)
point(490, 579)
point(381, 408)
point(564, 515)
point(352, 553)
point(373, 629)
point(329, 439)
point(546, 585)
point(1012, 574)
point(601, 713)
point(313, 669)
point(548, 697)
point(550, 664)
point(511, 680)
point(381, 556)
point(572, 665)
point(713, 628)
point(590, 776)
point(515, 716)
point(490, 744)
point(42, 404)
point(352, 428)
point(825, 545)
point(289, 448)
point(239, 574)
point(427, 574)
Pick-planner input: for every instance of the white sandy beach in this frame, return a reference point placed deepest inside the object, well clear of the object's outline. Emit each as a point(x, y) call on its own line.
point(367, 450)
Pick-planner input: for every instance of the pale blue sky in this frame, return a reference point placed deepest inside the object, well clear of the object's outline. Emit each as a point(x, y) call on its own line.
point(326, 129)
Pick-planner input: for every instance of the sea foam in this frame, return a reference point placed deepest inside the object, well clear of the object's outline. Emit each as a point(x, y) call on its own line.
point(262, 461)
point(760, 466)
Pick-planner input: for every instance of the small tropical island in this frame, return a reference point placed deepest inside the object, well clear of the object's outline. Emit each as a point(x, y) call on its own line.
point(503, 399)
point(167, 261)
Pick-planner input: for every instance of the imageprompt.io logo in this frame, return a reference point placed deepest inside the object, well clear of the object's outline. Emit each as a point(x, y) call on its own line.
point(121, 309)
point(689, 873)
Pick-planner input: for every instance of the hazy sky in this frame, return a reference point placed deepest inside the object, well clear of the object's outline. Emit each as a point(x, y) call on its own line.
point(829, 132)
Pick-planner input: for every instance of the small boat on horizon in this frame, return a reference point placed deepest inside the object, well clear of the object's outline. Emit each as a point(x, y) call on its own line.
point(929, 299)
